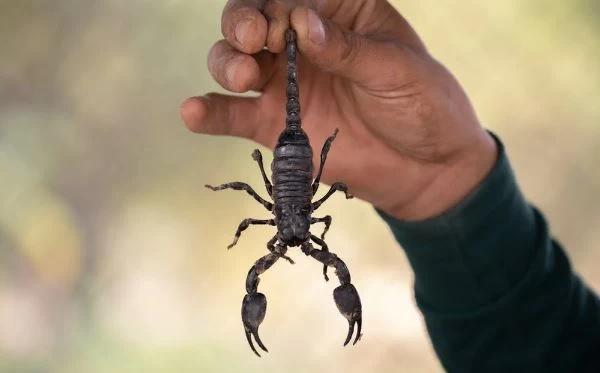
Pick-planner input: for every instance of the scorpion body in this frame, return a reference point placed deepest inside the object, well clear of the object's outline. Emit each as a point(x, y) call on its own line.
point(292, 191)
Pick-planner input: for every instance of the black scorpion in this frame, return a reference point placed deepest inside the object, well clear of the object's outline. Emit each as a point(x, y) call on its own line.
point(292, 191)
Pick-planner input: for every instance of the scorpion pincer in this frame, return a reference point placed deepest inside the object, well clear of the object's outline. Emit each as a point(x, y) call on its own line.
point(292, 192)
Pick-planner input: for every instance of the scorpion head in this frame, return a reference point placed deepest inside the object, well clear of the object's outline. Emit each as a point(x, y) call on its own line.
point(293, 222)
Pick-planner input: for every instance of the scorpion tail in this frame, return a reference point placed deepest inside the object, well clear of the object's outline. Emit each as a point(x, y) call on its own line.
point(293, 102)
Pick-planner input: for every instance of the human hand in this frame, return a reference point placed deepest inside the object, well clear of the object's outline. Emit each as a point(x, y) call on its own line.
point(409, 141)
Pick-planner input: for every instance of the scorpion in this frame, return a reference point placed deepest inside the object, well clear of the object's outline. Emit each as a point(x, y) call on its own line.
point(292, 192)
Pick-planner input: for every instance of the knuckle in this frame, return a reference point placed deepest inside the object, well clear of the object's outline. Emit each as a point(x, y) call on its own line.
point(277, 14)
point(220, 58)
point(234, 8)
point(232, 70)
point(351, 48)
point(244, 25)
point(214, 55)
point(229, 74)
point(278, 10)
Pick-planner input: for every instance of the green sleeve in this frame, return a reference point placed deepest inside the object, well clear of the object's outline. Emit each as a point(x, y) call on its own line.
point(498, 294)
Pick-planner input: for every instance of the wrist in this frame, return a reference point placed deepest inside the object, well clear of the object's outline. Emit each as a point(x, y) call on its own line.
point(451, 184)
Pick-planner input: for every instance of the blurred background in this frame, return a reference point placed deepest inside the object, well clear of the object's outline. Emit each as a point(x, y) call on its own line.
point(112, 254)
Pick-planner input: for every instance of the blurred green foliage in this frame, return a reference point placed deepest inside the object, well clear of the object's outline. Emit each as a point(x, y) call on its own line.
point(112, 254)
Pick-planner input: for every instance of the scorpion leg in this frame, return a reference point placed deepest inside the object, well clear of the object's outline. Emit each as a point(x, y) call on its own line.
point(257, 156)
point(273, 249)
point(327, 220)
point(334, 188)
point(244, 225)
point(236, 185)
point(345, 296)
point(324, 151)
point(254, 305)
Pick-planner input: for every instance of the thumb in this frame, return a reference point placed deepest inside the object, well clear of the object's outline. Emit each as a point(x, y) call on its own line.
point(334, 49)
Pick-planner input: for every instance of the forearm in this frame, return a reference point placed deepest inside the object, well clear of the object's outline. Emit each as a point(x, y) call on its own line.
point(496, 292)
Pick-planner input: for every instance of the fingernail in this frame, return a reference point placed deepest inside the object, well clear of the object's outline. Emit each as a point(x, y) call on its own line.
point(241, 30)
point(316, 29)
point(230, 71)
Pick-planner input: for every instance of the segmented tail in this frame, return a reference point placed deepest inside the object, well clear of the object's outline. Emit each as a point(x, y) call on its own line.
point(292, 120)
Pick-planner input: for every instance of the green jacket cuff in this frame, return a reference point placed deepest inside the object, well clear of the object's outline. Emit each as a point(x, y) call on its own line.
point(476, 251)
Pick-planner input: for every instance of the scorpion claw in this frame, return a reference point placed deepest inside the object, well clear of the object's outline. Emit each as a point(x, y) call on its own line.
point(260, 344)
point(348, 303)
point(358, 333)
point(254, 308)
point(250, 343)
point(350, 332)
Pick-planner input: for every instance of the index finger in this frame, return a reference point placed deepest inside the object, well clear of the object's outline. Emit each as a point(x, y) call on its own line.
point(244, 26)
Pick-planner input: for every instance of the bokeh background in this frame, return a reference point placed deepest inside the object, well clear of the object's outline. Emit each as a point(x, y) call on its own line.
point(112, 254)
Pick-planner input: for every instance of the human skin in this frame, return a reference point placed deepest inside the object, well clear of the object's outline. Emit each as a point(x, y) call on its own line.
point(409, 143)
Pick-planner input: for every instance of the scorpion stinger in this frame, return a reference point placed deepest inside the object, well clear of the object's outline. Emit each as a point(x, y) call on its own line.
point(292, 191)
